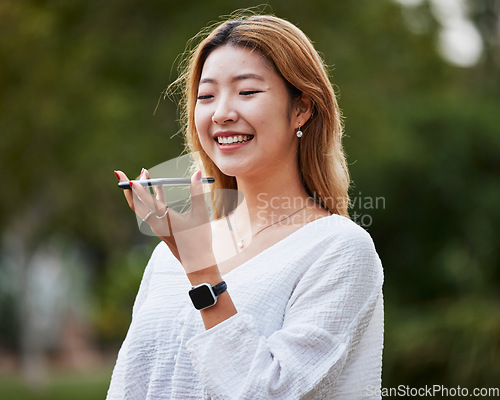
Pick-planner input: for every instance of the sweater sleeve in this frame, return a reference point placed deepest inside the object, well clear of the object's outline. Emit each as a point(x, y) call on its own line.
point(325, 318)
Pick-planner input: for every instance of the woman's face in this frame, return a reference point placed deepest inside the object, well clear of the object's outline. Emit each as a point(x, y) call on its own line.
point(243, 114)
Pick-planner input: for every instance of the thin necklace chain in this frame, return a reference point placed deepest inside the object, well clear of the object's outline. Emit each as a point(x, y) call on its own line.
point(241, 242)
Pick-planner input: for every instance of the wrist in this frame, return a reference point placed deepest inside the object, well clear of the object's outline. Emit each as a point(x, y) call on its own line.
point(198, 264)
point(209, 275)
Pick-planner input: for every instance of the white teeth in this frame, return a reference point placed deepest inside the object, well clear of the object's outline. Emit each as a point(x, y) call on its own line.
point(233, 139)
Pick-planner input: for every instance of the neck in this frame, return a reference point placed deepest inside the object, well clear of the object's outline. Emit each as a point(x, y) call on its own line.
point(270, 197)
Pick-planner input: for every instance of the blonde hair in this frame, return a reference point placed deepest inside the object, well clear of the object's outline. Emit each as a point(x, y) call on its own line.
point(321, 159)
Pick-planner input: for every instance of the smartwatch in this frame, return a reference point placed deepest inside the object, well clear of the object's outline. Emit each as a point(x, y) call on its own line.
point(205, 295)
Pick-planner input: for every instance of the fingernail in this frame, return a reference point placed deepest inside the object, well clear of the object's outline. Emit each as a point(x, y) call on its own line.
point(198, 175)
point(130, 183)
point(117, 175)
point(142, 171)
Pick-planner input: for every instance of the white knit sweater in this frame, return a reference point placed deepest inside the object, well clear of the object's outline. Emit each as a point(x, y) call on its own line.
point(309, 325)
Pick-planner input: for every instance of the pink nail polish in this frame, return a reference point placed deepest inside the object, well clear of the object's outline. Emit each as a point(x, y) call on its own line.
point(117, 175)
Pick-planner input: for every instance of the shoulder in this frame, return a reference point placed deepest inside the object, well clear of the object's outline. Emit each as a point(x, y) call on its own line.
point(330, 235)
point(340, 231)
point(341, 265)
point(344, 247)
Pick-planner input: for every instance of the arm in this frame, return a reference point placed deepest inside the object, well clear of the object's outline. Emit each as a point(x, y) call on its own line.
point(326, 315)
point(224, 308)
point(187, 235)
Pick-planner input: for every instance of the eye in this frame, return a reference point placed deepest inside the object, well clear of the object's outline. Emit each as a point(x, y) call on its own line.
point(250, 92)
point(205, 97)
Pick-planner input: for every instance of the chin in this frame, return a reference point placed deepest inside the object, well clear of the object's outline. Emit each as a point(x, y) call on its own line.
point(230, 170)
point(233, 168)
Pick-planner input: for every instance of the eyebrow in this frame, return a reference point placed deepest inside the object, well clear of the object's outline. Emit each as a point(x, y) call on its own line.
point(236, 78)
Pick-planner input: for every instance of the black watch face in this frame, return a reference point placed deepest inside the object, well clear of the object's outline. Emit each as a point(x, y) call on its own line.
point(202, 297)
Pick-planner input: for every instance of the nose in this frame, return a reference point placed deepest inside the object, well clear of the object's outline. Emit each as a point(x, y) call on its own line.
point(224, 112)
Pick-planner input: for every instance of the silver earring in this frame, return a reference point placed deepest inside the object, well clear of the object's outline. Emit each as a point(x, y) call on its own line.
point(299, 133)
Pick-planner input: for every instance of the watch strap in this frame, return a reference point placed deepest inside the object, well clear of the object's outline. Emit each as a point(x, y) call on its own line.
point(219, 288)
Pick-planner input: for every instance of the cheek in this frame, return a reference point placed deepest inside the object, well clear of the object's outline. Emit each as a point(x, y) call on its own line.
point(201, 122)
point(198, 120)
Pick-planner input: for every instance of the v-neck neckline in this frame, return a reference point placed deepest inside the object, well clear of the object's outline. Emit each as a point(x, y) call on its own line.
point(279, 243)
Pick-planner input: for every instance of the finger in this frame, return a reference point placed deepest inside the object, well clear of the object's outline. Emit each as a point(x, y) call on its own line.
point(142, 210)
point(120, 175)
point(160, 194)
point(132, 200)
point(127, 192)
point(158, 191)
point(160, 223)
point(144, 175)
point(142, 195)
point(158, 205)
point(153, 212)
point(197, 195)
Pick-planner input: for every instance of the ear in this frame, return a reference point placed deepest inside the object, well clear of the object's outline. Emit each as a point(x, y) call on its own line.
point(302, 110)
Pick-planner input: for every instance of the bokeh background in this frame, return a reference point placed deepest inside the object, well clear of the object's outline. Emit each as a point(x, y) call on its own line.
point(419, 85)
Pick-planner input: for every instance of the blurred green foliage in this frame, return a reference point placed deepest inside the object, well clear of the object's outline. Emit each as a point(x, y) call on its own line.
point(79, 82)
point(61, 386)
point(116, 292)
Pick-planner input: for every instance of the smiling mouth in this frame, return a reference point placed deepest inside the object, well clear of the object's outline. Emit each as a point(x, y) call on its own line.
point(229, 140)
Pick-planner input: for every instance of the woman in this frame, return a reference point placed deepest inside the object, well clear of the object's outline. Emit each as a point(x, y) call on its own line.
point(296, 307)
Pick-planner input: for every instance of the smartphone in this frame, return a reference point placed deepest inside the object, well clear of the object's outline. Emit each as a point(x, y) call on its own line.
point(164, 182)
